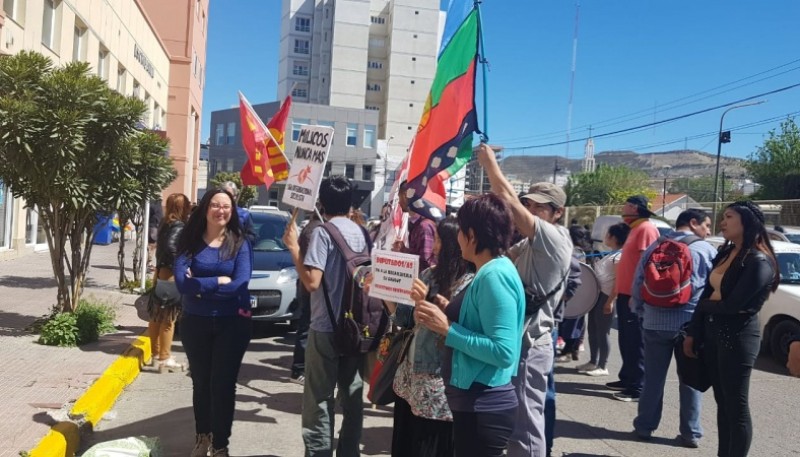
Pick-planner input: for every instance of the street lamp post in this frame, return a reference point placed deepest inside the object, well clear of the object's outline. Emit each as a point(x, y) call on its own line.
point(719, 152)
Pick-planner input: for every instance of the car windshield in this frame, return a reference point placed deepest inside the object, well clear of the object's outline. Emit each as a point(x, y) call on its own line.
point(268, 229)
point(789, 263)
point(793, 237)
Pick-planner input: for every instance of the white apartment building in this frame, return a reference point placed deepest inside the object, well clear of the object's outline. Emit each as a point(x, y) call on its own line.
point(377, 55)
point(118, 40)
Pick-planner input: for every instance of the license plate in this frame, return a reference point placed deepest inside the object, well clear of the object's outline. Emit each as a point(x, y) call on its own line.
point(253, 301)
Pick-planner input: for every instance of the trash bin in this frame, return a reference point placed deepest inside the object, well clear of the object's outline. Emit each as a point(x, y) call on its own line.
point(103, 233)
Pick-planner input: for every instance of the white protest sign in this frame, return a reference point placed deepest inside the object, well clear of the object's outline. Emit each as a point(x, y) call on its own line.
point(308, 166)
point(393, 276)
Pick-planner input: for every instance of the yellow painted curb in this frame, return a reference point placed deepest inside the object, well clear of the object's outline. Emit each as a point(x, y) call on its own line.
point(63, 439)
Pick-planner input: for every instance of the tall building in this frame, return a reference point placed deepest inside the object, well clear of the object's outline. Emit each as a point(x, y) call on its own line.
point(588, 156)
point(118, 39)
point(183, 27)
point(378, 55)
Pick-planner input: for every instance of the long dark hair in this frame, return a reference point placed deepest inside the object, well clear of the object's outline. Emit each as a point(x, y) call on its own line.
point(191, 241)
point(754, 236)
point(450, 266)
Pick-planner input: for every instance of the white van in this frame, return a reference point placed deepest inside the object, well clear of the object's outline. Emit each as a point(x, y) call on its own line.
point(602, 223)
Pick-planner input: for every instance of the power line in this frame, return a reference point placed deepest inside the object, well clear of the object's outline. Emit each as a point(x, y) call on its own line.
point(663, 121)
point(634, 115)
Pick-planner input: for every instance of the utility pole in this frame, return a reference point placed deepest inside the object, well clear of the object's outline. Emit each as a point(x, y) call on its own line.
point(722, 185)
point(555, 170)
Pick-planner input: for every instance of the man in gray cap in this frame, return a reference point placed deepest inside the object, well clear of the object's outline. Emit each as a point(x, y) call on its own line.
point(542, 259)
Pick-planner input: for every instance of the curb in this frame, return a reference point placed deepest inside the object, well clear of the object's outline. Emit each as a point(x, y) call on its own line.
point(63, 439)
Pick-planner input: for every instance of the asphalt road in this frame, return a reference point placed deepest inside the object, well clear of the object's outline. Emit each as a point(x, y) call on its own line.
point(590, 421)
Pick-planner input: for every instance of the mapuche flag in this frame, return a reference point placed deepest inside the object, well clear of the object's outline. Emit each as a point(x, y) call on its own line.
point(265, 162)
point(443, 144)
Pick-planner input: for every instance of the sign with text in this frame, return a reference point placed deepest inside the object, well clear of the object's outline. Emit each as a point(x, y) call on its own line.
point(393, 276)
point(308, 166)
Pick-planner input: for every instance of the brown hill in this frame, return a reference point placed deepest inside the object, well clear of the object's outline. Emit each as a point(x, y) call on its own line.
point(681, 163)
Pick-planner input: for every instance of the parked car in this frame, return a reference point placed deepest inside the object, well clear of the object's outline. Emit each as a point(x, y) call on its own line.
point(267, 209)
point(780, 316)
point(602, 223)
point(273, 284)
point(790, 234)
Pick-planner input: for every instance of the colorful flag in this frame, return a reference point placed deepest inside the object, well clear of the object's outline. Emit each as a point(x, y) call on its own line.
point(264, 145)
point(443, 144)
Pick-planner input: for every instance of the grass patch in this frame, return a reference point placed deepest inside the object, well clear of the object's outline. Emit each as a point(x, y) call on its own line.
point(85, 325)
point(132, 286)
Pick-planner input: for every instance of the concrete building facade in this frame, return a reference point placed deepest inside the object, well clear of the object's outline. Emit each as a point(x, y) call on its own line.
point(378, 55)
point(353, 152)
point(183, 27)
point(118, 39)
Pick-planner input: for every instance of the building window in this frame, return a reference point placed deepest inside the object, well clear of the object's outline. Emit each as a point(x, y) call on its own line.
point(373, 87)
point(102, 63)
point(296, 124)
point(375, 64)
point(372, 108)
point(136, 88)
point(415, 35)
point(121, 75)
point(49, 24)
point(410, 105)
point(328, 167)
point(156, 117)
point(377, 42)
point(369, 136)
point(231, 133)
point(301, 46)
point(13, 9)
point(220, 139)
point(377, 20)
point(300, 69)
point(300, 92)
point(273, 198)
point(350, 171)
point(413, 59)
point(79, 42)
point(302, 24)
point(366, 172)
point(352, 134)
point(229, 165)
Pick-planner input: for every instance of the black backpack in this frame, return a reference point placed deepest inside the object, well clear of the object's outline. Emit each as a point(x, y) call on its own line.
point(363, 320)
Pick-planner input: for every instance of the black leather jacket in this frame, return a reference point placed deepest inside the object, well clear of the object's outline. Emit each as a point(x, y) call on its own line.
point(167, 244)
point(745, 286)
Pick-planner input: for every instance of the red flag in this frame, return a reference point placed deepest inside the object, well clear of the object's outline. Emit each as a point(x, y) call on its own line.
point(266, 162)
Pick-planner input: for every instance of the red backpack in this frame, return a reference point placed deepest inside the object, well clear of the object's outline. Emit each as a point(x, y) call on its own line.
point(668, 273)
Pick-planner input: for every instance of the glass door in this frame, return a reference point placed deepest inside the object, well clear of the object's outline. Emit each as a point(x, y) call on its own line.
point(34, 232)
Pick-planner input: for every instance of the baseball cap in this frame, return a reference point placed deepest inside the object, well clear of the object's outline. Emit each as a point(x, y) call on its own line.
point(642, 204)
point(547, 192)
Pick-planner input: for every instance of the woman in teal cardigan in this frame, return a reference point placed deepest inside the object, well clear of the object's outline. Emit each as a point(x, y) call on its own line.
point(482, 327)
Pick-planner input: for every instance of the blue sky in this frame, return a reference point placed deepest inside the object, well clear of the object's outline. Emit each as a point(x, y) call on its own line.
point(637, 62)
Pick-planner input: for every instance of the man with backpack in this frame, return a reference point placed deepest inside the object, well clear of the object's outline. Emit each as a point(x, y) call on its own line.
point(324, 273)
point(667, 286)
point(636, 213)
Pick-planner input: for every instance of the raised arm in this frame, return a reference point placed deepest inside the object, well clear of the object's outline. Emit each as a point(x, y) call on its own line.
point(523, 219)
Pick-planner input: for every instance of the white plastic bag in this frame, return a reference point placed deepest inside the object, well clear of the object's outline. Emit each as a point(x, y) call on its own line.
point(128, 447)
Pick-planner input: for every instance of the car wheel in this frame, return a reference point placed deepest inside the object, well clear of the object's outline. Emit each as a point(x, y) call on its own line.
point(779, 339)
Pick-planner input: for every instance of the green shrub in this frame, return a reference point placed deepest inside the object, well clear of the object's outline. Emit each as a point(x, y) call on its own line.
point(131, 286)
point(83, 326)
point(93, 320)
point(60, 330)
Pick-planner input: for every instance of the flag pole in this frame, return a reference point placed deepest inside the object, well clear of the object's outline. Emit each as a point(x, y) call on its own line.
point(484, 66)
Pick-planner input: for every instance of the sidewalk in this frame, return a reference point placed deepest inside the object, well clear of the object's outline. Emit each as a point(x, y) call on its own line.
point(36, 380)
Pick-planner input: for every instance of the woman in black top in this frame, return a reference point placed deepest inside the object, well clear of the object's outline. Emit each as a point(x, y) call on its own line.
point(726, 324)
point(165, 303)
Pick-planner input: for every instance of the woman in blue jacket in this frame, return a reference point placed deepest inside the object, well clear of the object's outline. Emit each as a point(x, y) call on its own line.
point(483, 332)
point(212, 272)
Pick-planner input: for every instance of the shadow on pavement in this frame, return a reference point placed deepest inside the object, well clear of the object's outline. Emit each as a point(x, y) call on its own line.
point(766, 363)
point(14, 324)
point(376, 441)
point(582, 388)
point(27, 282)
point(575, 430)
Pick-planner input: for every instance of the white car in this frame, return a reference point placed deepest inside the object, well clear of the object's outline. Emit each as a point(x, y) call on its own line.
point(780, 316)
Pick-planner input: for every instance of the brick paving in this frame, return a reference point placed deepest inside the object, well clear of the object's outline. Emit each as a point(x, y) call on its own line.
point(36, 380)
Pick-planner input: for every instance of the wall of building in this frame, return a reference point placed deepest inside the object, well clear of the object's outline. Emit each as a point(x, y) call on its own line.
point(183, 26)
point(119, 42)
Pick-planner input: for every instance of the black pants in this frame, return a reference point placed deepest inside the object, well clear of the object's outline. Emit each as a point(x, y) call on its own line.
point(483, 434)
point(731, 348)
point(301, 335)
point(631, 345)
point(215, 347)
point(414, 436)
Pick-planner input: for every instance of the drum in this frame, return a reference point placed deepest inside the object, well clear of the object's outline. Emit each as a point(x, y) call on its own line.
point(585, 297)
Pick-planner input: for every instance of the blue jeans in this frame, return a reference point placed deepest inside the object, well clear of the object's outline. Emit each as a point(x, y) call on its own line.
point(658, 353)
